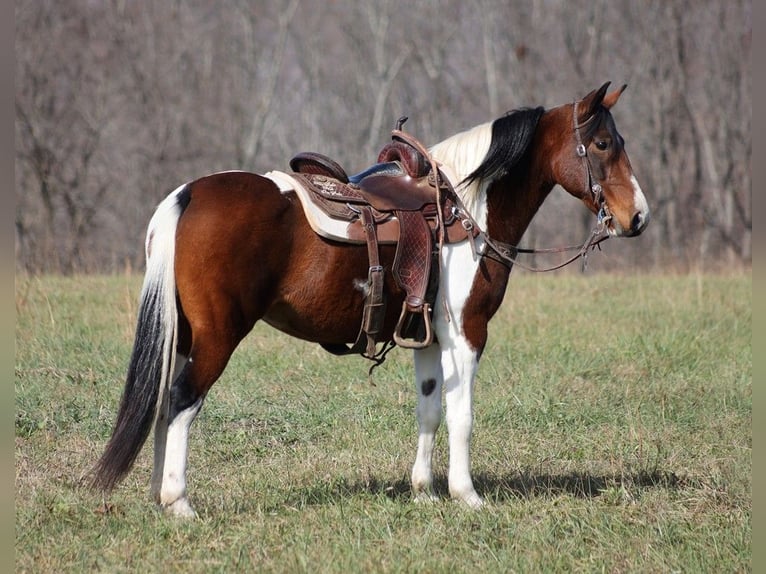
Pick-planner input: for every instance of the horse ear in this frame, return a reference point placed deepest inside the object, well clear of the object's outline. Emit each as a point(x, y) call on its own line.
point(592, 101)
point(611, 98)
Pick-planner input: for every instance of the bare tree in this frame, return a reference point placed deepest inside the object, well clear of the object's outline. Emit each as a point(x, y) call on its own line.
point(262, 72)
point(62, 115)
point(721, 127)
point(119, 102)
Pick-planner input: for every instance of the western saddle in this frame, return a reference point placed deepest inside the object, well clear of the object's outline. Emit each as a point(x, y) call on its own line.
point(404, 199)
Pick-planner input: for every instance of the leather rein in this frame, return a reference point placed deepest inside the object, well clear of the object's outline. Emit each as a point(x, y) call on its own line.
point(506, 253)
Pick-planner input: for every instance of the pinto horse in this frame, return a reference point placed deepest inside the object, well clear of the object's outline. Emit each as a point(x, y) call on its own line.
point(231, 248)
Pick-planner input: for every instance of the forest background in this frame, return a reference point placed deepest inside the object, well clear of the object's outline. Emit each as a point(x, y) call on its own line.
point(118, 102)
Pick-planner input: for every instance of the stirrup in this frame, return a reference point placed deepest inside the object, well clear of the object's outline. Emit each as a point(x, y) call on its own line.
point(405, 343)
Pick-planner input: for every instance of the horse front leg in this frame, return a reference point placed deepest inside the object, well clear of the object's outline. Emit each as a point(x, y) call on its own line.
point(459, 363)
point(428, 380)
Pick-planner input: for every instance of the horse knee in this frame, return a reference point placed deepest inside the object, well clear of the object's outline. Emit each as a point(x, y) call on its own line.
point(429, 414)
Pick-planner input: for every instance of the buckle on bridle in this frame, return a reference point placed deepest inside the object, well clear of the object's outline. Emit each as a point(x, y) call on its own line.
point(580, 149)
point(603, 216)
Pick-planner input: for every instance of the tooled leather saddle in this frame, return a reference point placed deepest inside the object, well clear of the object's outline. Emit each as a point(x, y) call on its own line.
point(405, 199)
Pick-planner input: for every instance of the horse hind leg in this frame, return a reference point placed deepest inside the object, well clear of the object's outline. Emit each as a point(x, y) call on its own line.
point(209, 355)
point(161, 431)
point(428, 380)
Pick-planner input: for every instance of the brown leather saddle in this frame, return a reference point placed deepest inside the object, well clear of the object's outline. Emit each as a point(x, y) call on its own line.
point(404, 199)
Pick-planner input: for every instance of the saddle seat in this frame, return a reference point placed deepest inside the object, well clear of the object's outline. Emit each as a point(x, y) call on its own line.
point(397, 181)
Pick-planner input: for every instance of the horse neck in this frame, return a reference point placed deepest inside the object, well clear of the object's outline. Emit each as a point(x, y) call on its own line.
point(506, 206)
point(514, 199)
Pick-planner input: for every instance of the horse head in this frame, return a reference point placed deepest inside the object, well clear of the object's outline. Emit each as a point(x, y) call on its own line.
point(590, 163)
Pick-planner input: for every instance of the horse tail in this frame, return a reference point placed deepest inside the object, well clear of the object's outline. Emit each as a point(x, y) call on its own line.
point(152, 361)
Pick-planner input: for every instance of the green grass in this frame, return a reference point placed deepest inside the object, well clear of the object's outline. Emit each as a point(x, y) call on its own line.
point(613, 433)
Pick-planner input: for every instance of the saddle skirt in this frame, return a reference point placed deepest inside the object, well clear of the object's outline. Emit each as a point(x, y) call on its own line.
point(331, 223)
point(330, 207)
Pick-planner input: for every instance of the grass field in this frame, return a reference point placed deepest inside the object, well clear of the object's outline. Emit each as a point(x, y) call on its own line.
point(612, 434)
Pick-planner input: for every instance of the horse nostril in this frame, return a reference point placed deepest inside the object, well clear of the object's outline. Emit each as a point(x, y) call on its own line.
point(638, 222)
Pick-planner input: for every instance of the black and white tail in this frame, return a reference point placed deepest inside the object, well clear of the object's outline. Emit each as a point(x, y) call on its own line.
point(152, 361)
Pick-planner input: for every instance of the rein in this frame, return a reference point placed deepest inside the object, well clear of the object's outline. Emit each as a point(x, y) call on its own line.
point(506, 254)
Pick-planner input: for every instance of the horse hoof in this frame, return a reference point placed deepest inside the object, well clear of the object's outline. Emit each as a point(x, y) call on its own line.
point(181, 509)
point(471, 500)
point(425, 498)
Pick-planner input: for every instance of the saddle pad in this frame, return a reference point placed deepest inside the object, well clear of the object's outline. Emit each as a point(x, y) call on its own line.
point(322, 223)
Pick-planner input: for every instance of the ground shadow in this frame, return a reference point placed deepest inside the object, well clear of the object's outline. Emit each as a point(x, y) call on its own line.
point(579, 485)
point(494, 487)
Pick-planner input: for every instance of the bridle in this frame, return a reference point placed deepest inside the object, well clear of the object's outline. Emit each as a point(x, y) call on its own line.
point(506, 253)
point(595, 188)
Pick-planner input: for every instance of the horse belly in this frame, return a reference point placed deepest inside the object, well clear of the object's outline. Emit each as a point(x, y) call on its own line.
point(323, 300)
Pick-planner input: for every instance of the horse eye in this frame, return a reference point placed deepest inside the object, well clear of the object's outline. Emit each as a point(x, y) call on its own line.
point(602, 144)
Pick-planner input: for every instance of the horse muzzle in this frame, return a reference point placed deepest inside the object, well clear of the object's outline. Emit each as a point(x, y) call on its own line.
point(638, 224)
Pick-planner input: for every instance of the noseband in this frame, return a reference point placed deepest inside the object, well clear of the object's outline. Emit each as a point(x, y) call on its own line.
point(597, 192)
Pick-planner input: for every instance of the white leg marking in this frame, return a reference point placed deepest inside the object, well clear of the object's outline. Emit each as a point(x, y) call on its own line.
point(161, 433)
point(173, 491)
point(429, 411)
point(459, 363)
point(160, 442)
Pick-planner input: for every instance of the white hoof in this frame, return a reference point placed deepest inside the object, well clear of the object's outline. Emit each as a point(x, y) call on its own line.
point(180, 508)
point(470, 499)
point(425, 498)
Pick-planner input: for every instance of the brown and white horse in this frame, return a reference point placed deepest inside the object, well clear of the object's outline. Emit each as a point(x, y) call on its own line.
point(231, 248)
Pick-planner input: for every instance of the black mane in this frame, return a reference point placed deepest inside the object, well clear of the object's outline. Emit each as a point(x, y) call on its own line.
point(511, 136)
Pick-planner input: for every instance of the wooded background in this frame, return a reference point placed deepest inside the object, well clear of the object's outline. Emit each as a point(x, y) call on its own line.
point(120, 101)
